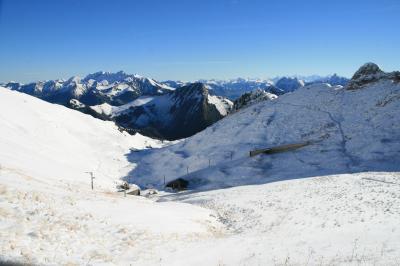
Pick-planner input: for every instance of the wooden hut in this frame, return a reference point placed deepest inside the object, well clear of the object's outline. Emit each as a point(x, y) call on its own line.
point(178, 184)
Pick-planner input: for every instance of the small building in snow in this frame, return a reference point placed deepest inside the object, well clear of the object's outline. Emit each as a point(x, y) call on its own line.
point(178, 184)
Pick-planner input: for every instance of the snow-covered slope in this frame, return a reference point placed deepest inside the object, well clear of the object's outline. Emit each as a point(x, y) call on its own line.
point(43, 139)
point(347, 219)
point(351, 131)
point(334, 202)
point(48, 213)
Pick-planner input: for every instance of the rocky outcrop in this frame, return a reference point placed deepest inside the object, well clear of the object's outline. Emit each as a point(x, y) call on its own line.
point(370, 73)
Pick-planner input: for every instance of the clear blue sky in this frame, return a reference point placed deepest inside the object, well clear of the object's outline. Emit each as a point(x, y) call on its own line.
point(189, 39)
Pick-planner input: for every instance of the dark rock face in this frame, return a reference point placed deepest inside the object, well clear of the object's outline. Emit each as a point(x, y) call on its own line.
point(370, 73)
point(179, 114)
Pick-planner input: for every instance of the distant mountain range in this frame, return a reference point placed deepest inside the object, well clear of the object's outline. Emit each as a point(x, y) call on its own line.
point(135, 103)
point(113, 88)
point(165, 110)
point(234, 88)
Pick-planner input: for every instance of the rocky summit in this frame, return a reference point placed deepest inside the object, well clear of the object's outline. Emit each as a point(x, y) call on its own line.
point(369, 73)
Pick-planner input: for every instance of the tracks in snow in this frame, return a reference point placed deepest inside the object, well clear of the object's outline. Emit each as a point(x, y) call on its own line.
point(352, 160)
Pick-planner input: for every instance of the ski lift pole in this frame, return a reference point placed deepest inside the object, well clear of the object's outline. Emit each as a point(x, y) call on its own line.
point(91, 177)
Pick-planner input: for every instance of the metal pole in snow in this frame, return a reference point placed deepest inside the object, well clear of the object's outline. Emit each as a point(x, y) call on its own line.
point(164, 180)
point(91, 177)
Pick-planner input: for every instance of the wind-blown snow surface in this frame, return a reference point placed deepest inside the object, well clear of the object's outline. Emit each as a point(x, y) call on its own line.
point(49, 214)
